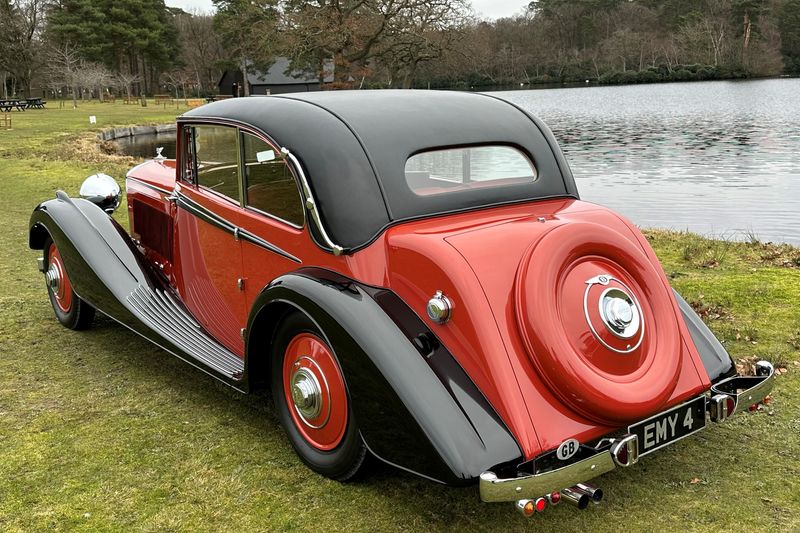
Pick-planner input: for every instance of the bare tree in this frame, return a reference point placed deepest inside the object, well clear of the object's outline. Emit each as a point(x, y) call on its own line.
point(94, 77)
point(201, 48)
point(420, 34)
point(64, 65)
point(177, 79)
point(126, 81)
point(21, 23)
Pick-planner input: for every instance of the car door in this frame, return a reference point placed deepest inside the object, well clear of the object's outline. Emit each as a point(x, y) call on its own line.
point(274, 215)
point(207, 250)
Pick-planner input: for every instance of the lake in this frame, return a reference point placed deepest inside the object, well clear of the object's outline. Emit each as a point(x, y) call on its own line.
point(718, 158)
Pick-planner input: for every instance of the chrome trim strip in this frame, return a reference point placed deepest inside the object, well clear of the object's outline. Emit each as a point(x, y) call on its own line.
point(310, 203)
point(238, 233)
point(148, 185)
point(493, 489)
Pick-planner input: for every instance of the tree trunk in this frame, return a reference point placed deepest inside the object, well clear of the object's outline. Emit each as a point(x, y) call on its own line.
point(340, 74)
point(746, 44)
point(74, 97)
point(245, 83)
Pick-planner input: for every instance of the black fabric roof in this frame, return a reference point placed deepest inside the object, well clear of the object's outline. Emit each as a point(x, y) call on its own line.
point(354, 146)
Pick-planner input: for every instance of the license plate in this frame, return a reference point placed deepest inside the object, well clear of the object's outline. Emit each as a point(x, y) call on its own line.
point(670, 426)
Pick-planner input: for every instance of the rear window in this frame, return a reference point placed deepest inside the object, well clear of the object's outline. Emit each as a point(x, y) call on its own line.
point(459, 169)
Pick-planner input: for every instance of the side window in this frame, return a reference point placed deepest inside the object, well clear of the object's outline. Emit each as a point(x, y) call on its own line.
point(271, 188)
point(217, 156)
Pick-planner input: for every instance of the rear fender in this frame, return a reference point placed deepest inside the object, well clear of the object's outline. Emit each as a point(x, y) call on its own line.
point(716, 360)
point(420, 412)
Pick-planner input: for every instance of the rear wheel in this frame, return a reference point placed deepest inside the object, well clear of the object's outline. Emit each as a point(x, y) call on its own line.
point(70, 310)
point(310, 394)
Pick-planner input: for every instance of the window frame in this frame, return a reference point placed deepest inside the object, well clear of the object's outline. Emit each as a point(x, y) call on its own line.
point(189, 151)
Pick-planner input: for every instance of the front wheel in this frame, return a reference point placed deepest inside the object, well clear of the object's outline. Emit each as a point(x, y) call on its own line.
point(70, 310)
point(310, 394)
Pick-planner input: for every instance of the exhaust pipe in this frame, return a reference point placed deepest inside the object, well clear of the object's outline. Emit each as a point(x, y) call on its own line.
point(576, 497)
point(595, 494)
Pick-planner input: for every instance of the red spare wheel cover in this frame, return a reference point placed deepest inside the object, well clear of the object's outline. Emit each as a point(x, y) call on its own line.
point(598, 323)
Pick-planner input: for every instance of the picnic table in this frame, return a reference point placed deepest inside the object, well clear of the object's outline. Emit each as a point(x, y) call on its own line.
point(35, 103)
point(9, 104)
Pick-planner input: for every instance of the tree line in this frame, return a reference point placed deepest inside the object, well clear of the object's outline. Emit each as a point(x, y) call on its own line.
point(96, 48)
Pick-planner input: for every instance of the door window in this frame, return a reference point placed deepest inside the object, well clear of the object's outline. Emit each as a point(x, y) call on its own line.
point(270, 185)
point(217, 156)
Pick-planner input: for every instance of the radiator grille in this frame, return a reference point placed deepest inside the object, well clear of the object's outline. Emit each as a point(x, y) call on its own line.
point(154, 228)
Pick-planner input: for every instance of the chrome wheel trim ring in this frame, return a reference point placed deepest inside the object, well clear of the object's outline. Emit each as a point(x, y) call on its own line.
point(313, 385)
point(604, 280)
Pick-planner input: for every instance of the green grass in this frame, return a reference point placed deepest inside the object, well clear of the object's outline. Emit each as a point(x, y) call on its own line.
point(102, 431)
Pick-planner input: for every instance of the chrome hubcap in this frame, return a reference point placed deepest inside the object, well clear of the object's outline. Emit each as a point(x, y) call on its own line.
point(306, 394)
point(619, 313)
point(53, 278)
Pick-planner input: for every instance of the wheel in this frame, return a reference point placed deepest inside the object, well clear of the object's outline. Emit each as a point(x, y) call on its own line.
point(312, 400)
point(70, 310)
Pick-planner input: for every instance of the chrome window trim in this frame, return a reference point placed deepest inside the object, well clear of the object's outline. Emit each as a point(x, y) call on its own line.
point(310, 203)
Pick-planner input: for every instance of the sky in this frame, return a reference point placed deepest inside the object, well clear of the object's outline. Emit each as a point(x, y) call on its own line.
point(486, 8)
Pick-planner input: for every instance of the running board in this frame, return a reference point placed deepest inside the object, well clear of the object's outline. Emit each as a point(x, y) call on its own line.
point(164, 315)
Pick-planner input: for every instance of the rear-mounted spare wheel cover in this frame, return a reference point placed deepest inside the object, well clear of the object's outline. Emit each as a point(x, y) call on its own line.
point(598, 323)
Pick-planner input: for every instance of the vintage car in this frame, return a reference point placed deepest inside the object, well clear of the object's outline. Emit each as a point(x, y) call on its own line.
point(414, 276)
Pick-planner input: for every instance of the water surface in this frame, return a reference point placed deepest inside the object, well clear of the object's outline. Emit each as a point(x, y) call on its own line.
point(718, 158)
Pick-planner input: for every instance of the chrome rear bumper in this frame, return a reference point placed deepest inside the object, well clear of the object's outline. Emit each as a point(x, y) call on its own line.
point(611, 453)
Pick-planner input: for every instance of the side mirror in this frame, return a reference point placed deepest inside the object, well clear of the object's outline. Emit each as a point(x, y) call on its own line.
point(101, 190)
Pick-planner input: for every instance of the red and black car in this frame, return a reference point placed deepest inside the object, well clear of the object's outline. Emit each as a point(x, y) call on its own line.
point(414, 276)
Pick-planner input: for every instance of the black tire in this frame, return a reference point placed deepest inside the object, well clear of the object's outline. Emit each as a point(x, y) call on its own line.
point(80, 314)
point(346, 460)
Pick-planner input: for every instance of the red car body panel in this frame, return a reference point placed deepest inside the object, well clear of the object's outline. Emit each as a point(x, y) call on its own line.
point(474, 257)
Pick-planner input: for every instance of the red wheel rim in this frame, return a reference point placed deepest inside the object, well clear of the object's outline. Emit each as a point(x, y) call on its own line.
point(57, 280)
point(315, 392)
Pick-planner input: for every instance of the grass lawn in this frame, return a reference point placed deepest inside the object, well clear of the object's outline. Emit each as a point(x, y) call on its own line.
point(101, 430)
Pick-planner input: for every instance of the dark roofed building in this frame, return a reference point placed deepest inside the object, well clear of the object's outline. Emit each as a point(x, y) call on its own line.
point(278, 79)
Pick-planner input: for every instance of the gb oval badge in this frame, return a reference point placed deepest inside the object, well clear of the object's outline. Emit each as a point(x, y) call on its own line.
point(567, 449)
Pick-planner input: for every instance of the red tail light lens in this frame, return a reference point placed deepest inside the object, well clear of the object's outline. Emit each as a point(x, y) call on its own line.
point(541, 503)
point(555, 497)
point(730, 404)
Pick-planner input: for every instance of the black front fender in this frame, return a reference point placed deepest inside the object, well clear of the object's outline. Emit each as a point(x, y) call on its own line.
point(100, 260)
point(107, 271)
point(418, 411)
